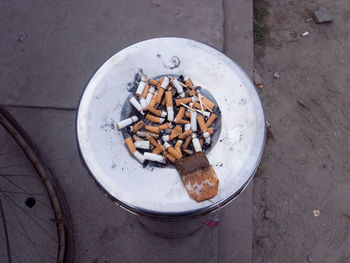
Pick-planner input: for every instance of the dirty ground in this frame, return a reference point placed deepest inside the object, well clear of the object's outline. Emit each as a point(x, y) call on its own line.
point(302, 188)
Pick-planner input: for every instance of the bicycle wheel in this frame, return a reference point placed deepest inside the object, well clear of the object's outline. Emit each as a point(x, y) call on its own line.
point(34, 219)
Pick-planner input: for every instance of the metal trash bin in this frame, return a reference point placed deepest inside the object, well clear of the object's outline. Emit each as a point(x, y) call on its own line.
point(157, 194)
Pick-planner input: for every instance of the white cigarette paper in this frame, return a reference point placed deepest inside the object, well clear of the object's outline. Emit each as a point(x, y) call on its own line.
point(150, 95)
point(165, 138)
point(154, 157)
point(179, 88)
point(142, 145)
point(187, 126)
point(126, 122)
point(141, 85)
point(164, 114)
point(143, 104)
point(193, 121)
point(146, 133)
point(170, 114)
point(207, 140)
point(139, 157)
point(204, 113)
point(196, 144)
point(136, 104)
point(165, 83)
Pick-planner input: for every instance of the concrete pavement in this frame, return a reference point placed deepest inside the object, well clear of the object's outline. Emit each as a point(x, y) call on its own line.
point(48, 53)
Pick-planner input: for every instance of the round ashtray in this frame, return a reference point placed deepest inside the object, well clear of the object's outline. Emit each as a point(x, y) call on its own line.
point(159, 191)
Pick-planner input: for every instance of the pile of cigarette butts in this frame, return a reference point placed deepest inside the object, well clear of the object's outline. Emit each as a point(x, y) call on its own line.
point(170, 111)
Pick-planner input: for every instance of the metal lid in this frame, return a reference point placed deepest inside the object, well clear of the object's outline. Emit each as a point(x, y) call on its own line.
point(159, 191)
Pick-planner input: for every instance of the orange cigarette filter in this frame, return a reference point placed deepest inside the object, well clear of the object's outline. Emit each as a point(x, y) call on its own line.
point(153, 101)
point(211, 105)
point(188, 114)
point(145, 92)
point(174, 152)
point(201, 123)
point(169, 98)
point(160, 95)
point(151, 128)
point(152, 118)
point(161, 80)
point(175, 132)
point(169, 156)
point(184, 101)
point(155, 143)
point(154, 111)
point(130, 144)
point(180, 114)
point(190, 87)
point(211, 119)
point(157, 150)
point(187, 142)
point(211, 130)
point(153, 82)
point(165, 126)
point(201, 142)
point(198, 105)
point(182, 121)
point(178, 145)
point(184, 135)
point(137, 126)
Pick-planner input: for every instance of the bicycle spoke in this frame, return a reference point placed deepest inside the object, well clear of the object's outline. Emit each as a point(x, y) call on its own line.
point(5, 232)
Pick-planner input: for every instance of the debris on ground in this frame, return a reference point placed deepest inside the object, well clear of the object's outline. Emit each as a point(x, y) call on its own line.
point(276, 75)
point(308, 20)
point(302, 104)
point(269, 135)
point(304, 34)
point(322, 15)
point(309, 259)
point(316, 213)
point(257, 79)
point(268, 214)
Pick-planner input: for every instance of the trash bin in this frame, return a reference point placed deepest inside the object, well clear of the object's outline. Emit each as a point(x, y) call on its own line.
point(156, 194)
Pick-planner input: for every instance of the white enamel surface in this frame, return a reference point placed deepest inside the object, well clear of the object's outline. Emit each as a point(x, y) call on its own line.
point(160, 190)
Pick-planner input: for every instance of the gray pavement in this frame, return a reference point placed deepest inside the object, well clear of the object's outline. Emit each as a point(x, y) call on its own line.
point(48, 53)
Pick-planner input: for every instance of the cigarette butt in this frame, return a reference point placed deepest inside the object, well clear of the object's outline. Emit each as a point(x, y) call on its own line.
point(156, 144)
point(157, 150)
point(165, 126)
point(137, 126)
point(197, 105)
point(190, 87)
point(143, 104)
point(169, 99)
point(211, 131)
point(154, 119)
point(163, 102)
point(184, 101)
point(145, 92)
point(165, 83)
point(178, 87)
point(146, 133)
point(169, 157)
point(153, 82)
point(154, 111)
point(185, 134)
point(160, 95)
point(150, 95)
point(140, 87)
point(187, 142)
point(142, 144)
point(196, 143)
point(150, 128)
point(211, 119)
point(154, 157)
point(136, 104)
point(182, 121)
point(180, 114)
point(174, 152)
point(176, 131)
point(170, 111)
point(126, 122)
point(201, 123)
point(130, 144)
point(187, 126)
point(153, 101)
point(178, 145)
point(139, 156)
point(137, 138)
point(211, 105)
point(194, 121)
